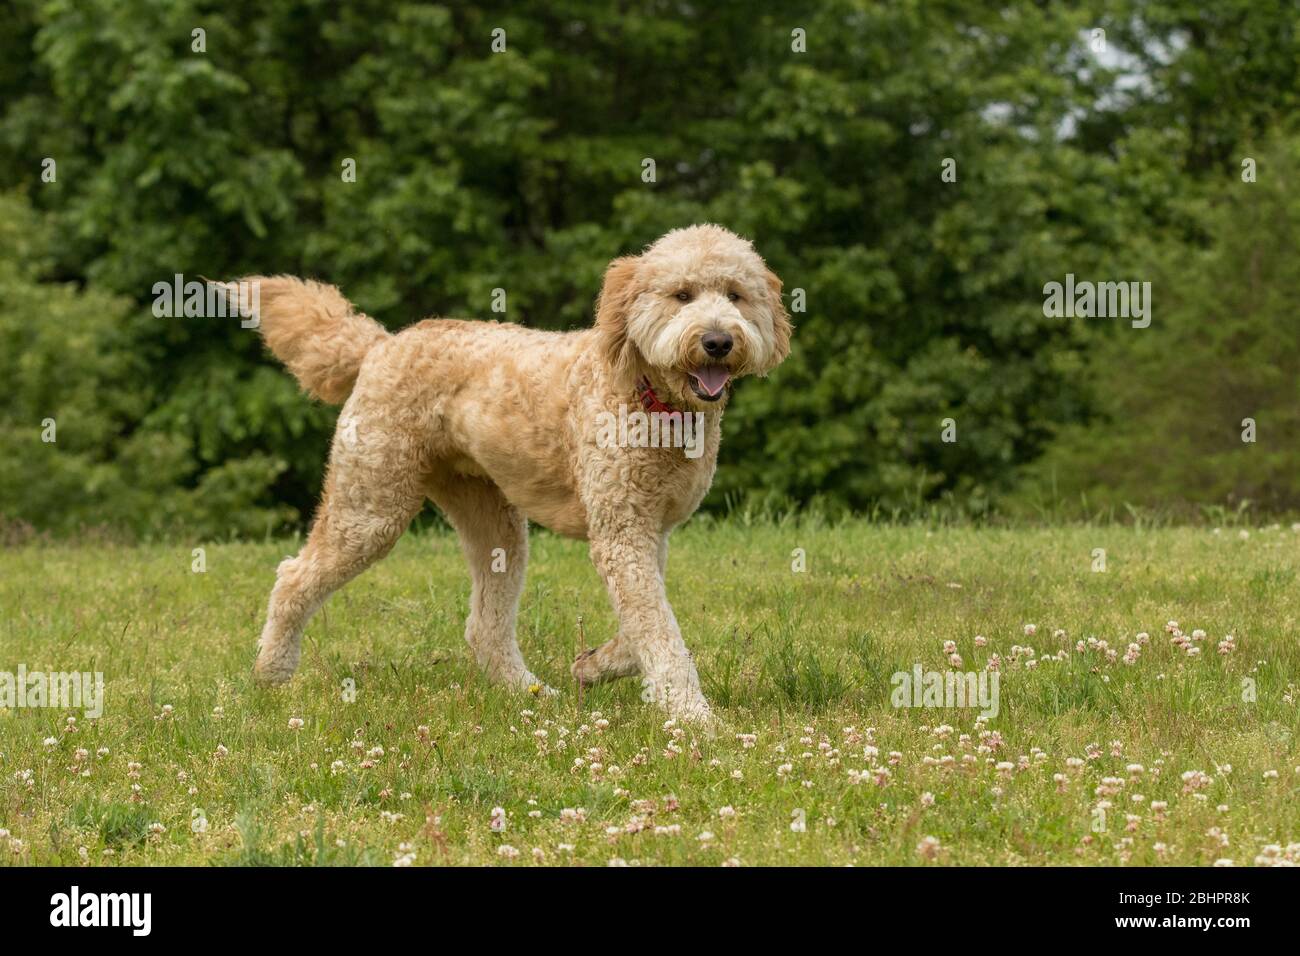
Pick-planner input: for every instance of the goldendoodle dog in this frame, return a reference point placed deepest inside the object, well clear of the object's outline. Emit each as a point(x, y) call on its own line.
point(500, 425)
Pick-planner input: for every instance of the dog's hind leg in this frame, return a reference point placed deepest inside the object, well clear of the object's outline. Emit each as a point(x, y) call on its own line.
point(494, 536)
point(344, 541)
point(372, 492)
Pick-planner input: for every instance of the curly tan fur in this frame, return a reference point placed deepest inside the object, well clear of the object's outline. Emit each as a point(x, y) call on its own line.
point(316, 333)
point(499, 424)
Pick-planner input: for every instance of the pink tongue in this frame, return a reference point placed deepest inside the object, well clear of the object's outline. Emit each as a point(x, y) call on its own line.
point(712, 378)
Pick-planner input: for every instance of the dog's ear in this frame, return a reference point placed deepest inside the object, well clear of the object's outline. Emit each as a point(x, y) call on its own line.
point(617, 294)
point(781, 327)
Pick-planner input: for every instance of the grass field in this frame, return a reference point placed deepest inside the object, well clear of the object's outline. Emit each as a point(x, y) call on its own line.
point(404, 755)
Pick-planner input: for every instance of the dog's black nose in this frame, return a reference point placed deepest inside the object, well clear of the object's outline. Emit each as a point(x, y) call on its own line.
point(717, 344)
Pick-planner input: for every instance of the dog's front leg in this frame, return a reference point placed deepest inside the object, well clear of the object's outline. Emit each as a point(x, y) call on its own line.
point(614, 658)
point(628, 559)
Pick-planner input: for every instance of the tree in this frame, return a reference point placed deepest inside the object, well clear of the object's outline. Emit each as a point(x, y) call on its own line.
point(914, 171)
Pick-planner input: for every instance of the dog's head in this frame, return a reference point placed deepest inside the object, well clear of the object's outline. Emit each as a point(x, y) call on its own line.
point(693, 312)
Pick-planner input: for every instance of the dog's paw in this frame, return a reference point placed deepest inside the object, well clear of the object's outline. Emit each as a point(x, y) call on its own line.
point(271, 676)
point(584, 668)
point(700, 718)
point(691, 710)
point(526, 682)
point(610, 661)
point(276, 663)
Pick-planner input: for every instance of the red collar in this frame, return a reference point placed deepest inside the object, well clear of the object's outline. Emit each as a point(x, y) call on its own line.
point(650, 401)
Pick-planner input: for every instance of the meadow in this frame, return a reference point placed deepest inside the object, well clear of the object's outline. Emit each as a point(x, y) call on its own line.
point(1147, 708)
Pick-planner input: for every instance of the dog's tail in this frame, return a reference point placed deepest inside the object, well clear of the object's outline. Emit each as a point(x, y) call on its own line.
point(314, 331)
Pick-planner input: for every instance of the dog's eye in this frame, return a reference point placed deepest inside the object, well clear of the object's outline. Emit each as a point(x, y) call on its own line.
point(683, 296)
point(733, 296)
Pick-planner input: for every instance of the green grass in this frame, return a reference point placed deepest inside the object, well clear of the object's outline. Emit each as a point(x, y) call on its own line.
point(794, 658)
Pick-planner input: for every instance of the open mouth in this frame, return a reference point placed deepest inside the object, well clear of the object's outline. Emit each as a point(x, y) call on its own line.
point(708, 381)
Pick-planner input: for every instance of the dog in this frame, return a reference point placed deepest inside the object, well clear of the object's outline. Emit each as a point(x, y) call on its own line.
point(500, 425)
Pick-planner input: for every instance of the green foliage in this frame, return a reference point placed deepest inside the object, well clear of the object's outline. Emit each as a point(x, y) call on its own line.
point(522, 170)
point(118, 825)
point(1223, 347)
point(76, 446)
